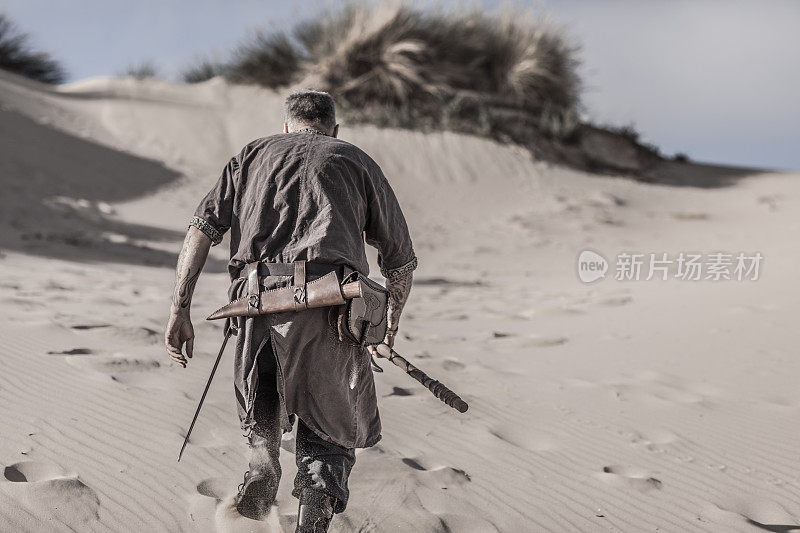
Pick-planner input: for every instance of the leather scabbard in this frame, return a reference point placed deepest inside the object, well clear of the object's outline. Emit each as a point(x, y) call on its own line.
point(322, 292)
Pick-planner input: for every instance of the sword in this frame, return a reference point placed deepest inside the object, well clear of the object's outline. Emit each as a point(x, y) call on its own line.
point(228, 330)
point(436, 387)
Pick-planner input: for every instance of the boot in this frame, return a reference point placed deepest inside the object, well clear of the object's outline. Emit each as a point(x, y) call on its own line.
point(316, 511)
point(257, 491)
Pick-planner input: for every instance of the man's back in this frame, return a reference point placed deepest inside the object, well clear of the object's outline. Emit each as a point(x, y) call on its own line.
point(299, 196)
point(307, 196)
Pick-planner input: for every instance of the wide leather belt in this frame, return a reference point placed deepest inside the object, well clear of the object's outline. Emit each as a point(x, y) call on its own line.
point(288, 269)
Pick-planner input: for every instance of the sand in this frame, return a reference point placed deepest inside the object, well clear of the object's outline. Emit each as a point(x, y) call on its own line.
point(616, 406)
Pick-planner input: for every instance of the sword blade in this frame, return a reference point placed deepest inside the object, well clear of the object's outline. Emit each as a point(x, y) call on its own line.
point(203, 397)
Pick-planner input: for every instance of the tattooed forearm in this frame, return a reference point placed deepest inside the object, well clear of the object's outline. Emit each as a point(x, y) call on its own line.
point(185, 289)
point(190, 263)
point(399, 289)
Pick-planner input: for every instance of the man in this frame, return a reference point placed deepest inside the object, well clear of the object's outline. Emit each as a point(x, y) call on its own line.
point(302, 195)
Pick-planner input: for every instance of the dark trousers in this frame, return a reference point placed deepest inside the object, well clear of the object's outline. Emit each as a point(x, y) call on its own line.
point(321, 465)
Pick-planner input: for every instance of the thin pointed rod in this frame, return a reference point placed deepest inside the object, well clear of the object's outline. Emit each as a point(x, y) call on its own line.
point(203, 397)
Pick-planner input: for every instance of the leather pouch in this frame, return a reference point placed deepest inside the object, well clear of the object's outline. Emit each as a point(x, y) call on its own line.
point(362, 320)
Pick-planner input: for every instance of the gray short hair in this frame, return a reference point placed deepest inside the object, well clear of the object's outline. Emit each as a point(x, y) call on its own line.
point(311, 108)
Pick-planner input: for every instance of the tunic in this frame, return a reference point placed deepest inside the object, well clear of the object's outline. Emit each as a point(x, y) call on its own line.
point(306, 196)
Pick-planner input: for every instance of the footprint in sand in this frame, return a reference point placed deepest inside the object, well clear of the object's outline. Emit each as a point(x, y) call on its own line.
point(546, 342)
point(50, 494)
point(760, 513)
point(654, 440)
point(132, 372)
point(525, 438)
point(685, 215)
point(445, 282)
point(400, 391)
point(777, 528)
point(663, 389)
point(115, 366)
point(630, 477)
point(443, 475)
point(31, 471)
point(781, 402)
point(533, 340)
point(73, 351)
point(121, 364)
point(453, 365)
point(133, 334)
point(413, 464)
point(603, 199)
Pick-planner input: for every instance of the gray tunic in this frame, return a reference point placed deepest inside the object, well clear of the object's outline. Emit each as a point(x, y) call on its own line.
point(308, 196)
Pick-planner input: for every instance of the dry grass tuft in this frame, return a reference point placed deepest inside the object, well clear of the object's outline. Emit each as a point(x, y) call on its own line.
point(464, 70)
point(509, 75)
point(142, 70)
point(271, 60)
point(202, 70)
point(16, 55)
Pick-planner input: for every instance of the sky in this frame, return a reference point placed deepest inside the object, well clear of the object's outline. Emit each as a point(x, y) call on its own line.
point(715, 79)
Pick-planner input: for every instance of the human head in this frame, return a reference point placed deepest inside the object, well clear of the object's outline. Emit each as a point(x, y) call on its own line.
point(310, 109)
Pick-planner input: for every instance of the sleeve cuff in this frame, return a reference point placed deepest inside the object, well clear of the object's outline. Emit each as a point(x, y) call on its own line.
point(399, 272)
point(210, 231)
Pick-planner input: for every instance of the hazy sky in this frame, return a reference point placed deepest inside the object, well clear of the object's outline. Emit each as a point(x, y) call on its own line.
point(716, 79)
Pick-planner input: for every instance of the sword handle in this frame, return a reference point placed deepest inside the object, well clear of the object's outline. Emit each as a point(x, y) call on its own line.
point(440, 391)
point(438, 388)
point(351, 290)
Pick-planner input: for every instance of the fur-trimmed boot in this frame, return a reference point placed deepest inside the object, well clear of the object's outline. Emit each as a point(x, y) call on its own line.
point(316, 511)
point(257, 491)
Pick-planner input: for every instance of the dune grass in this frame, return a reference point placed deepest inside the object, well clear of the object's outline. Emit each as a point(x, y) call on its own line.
point(19, 56)
point(141, 71)
point(509, 74)
point(202, 70)
point(271, 60)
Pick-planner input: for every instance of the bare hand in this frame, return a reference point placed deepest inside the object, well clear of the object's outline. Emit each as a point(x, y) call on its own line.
point(179, 331)
point(383, 349)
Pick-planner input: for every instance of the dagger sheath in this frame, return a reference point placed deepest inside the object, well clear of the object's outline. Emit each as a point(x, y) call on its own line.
point(324, 291)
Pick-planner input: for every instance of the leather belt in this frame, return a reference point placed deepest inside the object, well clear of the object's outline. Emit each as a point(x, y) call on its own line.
point(288, 269)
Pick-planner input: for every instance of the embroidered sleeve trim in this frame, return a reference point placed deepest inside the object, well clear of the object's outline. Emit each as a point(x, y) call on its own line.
point(210, 231)
point(401, 271)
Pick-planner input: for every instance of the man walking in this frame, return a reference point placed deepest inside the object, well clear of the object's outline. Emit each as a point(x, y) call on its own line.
point(303, 198)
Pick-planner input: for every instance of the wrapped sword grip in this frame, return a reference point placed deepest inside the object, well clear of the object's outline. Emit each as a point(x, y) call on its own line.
point(440, 390)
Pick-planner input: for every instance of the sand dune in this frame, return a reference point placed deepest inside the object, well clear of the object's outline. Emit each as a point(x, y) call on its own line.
point(622, 406)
